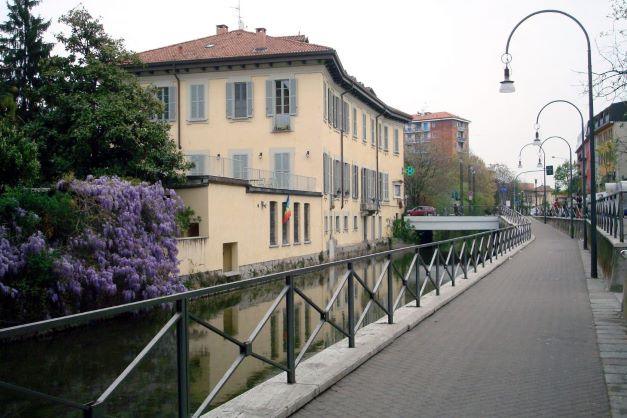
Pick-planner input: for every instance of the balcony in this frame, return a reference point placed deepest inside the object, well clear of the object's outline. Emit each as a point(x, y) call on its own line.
point(217, 166)
point(368, 206)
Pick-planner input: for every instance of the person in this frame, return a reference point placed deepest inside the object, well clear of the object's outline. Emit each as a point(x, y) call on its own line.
point(455, 209)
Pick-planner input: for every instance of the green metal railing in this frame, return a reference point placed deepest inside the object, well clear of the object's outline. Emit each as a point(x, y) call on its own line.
point(435, 264)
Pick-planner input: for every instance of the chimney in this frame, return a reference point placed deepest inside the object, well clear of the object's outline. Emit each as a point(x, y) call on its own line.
point(221, 29)
point(260, 39)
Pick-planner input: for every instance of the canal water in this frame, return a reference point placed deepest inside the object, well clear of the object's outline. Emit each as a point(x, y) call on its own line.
point(79, 364)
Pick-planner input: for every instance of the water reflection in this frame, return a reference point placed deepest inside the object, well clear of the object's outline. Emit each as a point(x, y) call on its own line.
point(79, 364)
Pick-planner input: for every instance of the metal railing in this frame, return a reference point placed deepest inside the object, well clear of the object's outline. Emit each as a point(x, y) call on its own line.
point(435, 264)
point(218, 166)
point(611, 214)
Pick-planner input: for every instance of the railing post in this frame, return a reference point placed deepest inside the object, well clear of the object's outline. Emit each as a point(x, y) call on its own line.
point(390, 292)
point(453, 262)
point(464, 258)
point(182, 351)
point(351, 307)
point(437, 271)
point(291, 330)
point(417, 274)
point(96, 410)
point(621, 215)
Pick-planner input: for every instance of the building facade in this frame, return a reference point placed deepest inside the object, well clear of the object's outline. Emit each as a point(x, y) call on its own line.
point(448, 133)
point(610, 133)
point(294, 159)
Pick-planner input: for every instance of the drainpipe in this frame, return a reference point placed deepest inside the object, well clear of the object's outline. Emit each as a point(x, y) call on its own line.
point(376, 147)
point(178, 107)
point(342, 146)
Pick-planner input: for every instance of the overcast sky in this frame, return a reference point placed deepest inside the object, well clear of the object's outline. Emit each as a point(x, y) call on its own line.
point(424, 55)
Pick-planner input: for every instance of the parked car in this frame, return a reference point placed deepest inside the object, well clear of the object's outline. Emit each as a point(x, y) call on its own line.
point(422, 211)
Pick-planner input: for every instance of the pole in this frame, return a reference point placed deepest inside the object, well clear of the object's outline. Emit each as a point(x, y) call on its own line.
point(474, 195)
point(535, 191)
point(544, 186)
point(469, 201)
point(461, 187)
point(570, 196)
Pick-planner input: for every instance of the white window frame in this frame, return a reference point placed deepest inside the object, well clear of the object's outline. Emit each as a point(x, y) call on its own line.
point(194, 114)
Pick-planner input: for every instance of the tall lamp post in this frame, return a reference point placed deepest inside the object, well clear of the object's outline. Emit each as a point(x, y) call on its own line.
point(461, 187)
point(541, 164)
point(570, 179)
point(583, 174)
point(507, 86)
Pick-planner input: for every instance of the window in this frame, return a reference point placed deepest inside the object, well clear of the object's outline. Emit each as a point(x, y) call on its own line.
point(380, 227)
point(337, 177)
point(167, 96)
point(397, 190)
point(336, 111)
point(281, 97)
point(345, 222)
point(355, 182)
point(345, 117)
point(432, 125)
point(324, 101)
point(364, 131)
point(347, 179)
point(197, 102)
point(329, 106)
point(326, 169)
point(337, 223)
point(379, 136)
point(282, 170)
point(240, 166)
point(372, 132)
point(306, 216)
point(385, 139)
point(355, 223)
point(296, 223)
point(396, 144)
point(354, 122)
point(326, 224)
point(273, 223)
point(285, 226)
point(239, 100)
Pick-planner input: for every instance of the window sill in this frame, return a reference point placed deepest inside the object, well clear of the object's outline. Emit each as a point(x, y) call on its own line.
point(280, 131)
point(197, 121)
point(286, 244)
point(242, 119)
point(274, 246)
point(307, 242)
point(296, 243)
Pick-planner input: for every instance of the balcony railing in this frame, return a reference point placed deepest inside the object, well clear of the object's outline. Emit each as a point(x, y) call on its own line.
point(217, 166)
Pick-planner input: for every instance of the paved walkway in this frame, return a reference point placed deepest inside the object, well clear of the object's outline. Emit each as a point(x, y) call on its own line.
point(520, 343)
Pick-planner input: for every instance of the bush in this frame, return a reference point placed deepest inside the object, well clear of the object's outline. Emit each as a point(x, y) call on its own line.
point(87, 245)
point(401, 229)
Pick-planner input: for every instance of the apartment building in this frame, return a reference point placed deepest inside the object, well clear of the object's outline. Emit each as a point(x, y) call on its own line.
point(610, 133)
point(446, 132)
point(294, 158)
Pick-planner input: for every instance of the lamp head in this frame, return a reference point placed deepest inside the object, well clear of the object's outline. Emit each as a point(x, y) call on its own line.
point(519, 164)
point(539, 163)
point(536, 140)
point(507, 85)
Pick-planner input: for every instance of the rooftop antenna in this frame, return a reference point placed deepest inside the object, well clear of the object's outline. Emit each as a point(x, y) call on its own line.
point(240, 22)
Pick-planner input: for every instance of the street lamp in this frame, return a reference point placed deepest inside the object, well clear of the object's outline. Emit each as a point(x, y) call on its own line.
point(570, 181)
point(583, 174)
point(507, 86)
point(542, 165)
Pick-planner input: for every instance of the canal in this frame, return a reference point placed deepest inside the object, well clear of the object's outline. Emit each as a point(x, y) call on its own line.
point(78, 364)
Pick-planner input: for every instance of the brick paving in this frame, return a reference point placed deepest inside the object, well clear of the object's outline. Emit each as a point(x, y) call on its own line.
point(520, 343)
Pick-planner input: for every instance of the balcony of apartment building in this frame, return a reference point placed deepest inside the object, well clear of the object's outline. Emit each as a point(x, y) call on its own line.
point(206, 165)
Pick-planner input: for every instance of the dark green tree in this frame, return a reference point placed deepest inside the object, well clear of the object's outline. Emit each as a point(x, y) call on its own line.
point(561, 175)
point(22, 51)
point(98, 119)
point(18, 156)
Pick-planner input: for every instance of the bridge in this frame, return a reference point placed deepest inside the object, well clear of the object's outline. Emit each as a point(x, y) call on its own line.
point(504, 322)
point(453, 223)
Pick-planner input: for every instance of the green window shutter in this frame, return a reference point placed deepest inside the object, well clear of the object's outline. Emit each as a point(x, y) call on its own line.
point(249, 99)
point(269, 98)
point(172, 104)
point(324, 101)
point(292, 96)
point(229, 100)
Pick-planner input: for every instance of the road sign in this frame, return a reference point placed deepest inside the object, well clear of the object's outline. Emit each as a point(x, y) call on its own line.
point(409, 170)
point(503, 189)
point(549, 170)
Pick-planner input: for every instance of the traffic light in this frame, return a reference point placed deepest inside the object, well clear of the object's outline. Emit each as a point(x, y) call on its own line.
point(549, 170)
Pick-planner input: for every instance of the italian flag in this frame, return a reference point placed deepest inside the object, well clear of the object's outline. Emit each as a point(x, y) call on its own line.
point(287, 212)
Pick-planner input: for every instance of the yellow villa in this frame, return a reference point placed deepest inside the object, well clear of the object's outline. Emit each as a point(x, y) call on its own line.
point(276, 125)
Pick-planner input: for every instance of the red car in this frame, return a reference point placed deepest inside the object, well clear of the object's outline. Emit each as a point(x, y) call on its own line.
point(422, 211)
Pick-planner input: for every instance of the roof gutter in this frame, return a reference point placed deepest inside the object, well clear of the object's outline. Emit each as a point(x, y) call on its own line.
point(178, 106)
point(342, 145)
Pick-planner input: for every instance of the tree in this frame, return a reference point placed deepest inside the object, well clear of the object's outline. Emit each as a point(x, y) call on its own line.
point(613, 81)
point(98, 120)
point(18, 156)
point(561, 176)
point(22, 50)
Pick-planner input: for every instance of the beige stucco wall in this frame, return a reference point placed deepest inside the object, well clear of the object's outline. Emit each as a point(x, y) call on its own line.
point(229, 214)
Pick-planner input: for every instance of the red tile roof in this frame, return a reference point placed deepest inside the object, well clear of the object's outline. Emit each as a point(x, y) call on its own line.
point(435, 116)
point(237, 43)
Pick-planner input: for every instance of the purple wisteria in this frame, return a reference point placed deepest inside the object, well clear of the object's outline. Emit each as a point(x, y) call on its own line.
point(126, 251)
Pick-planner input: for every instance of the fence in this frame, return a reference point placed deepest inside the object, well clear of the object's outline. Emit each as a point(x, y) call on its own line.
point(611, 214)
point(435, 264)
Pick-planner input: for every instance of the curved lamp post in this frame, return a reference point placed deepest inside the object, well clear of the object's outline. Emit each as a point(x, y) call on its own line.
point(516, 178)
point(570, 180)
point(507, 86)
point(583, 165)
point(541, 164)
